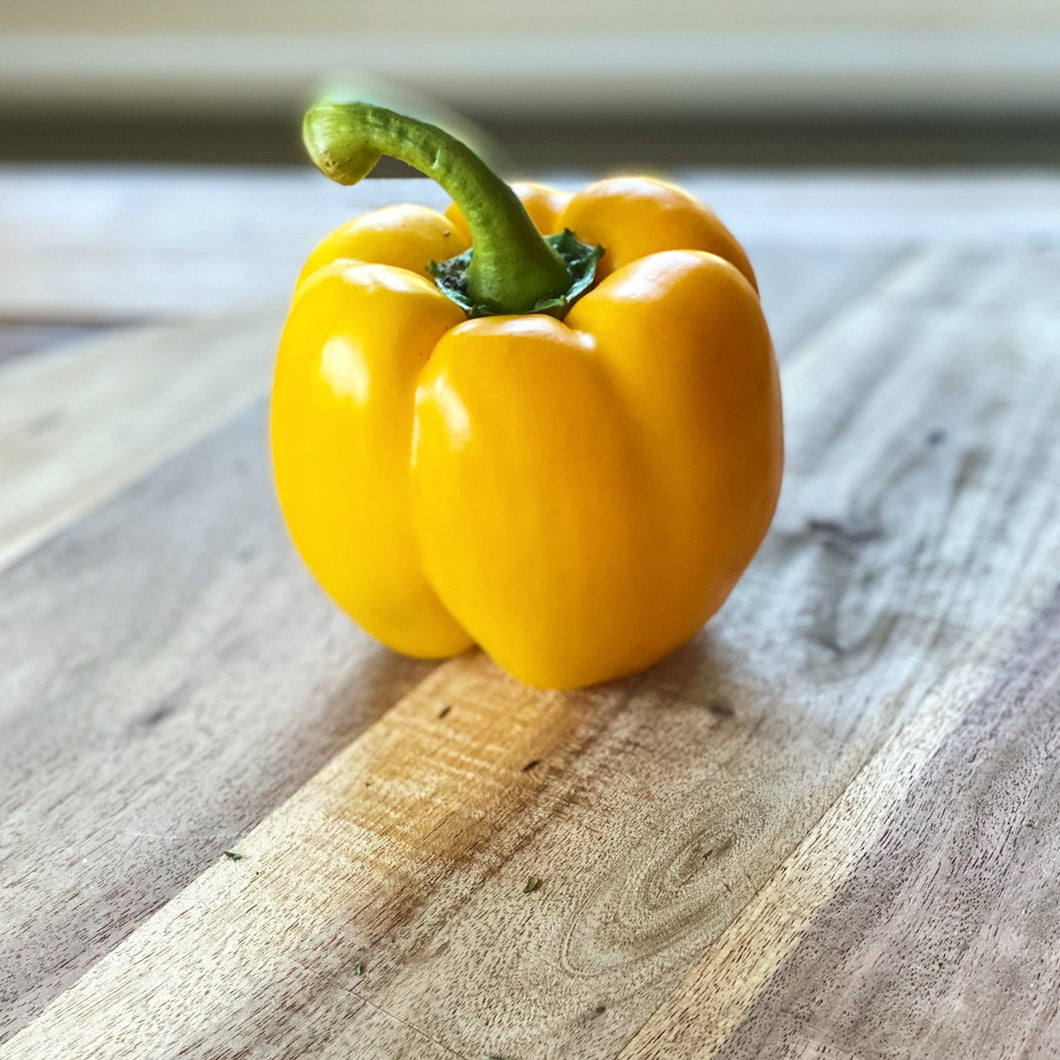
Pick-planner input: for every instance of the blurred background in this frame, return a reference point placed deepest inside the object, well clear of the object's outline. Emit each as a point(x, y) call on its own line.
point(556, 85)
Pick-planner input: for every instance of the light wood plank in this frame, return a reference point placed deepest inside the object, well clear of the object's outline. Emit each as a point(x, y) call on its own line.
point(79, 425)
point(449, 781)
point(132, 243)
point(656, 809)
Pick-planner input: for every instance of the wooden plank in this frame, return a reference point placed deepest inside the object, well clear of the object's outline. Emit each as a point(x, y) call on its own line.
point(81, 424)
point(653, 810)
point(18, 340)
point(942, 941)
point(131, 244)
point(159, 855)
point(802, 286)
point(79, 427)
point(717, 995)
point(451, 781)
point(980, 209)
point(153, 588)
point(728, 1004)
point(118, 235)
point(168, 674)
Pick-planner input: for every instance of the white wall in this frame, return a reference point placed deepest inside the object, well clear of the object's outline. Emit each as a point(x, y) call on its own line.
point(778, 55)
point(552, 17)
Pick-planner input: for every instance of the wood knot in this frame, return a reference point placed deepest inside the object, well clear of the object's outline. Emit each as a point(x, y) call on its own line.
point(721, 708)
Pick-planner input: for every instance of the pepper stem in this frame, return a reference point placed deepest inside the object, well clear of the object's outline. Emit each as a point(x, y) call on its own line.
point(512, 269)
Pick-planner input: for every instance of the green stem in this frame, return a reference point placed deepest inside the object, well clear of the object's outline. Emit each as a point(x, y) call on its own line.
point(512, 269)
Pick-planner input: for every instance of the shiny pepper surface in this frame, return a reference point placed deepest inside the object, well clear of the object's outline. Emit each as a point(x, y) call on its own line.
point(577, 495)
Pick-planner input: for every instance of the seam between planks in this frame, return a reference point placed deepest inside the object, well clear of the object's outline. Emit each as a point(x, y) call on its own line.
point(379, 833)
point(85, 423)
point(746, 955)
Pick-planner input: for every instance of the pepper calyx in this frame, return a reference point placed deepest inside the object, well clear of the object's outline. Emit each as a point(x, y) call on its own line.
point(580, 258)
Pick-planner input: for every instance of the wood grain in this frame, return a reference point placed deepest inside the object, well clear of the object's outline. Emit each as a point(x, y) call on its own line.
point(1017, 355)
point(138, 244)
point(134, 244)
point(918, 524)
point(143, 619)
point(168, 675)
point(942, 941)
point(82, 423)
point(356, 875)
point(17, 340)
point(783, 918)
point(103, 247)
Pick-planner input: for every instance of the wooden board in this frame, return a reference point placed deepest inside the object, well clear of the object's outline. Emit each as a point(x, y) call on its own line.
point(753, 849)
point(892, 590)
point(951, 909)
point(79, 425)
point(131, 244)
point(88, 419)
point(160, 591)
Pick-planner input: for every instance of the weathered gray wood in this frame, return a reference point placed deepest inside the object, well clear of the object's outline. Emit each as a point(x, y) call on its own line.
point(918, 530)
point(133, 244)
point(130, 244)
point(17, 340)
point(803, 286)
point(80, 424)
point(168, 674)
point(943, 941)
point(984, 209)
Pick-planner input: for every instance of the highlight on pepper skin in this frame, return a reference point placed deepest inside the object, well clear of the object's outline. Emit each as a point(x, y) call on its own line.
point(576, 490)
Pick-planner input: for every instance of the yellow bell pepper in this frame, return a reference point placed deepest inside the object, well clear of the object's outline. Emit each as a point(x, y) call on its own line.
point(565, 458)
